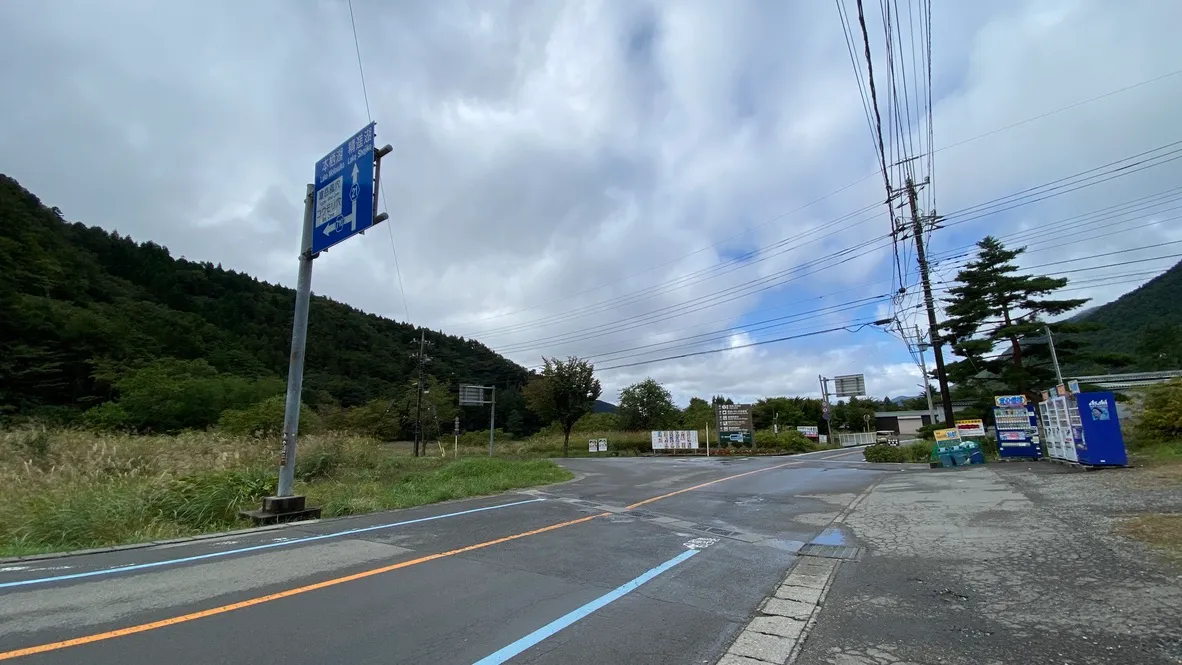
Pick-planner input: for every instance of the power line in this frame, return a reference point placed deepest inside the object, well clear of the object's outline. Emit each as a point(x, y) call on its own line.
point(776, 218)
point(698, 276)
point(381, 184)
point(736, 347)
point(770, 281)
point(856, 304)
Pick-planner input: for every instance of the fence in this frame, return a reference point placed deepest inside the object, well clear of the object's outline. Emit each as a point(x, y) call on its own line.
point(856, 439)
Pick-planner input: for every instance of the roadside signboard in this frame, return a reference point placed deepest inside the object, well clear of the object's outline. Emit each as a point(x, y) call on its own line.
point(1009, 400)
point(734, 424)
point(732, 417)
point(344, 191)
point(597, 445)
point(808, 430)
point(671, 440)
point(471, 395)
point(850, 385)
point(946, 435)
point(971, 427)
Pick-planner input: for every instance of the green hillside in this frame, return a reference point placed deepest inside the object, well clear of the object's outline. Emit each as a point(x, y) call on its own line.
point(81, 307)
point(1142, 328)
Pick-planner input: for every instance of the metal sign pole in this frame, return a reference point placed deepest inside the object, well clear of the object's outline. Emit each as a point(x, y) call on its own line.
point(492, 421)
point(299, 338)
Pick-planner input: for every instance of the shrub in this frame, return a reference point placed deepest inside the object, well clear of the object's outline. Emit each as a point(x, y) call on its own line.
point(265, 418)
point(788, 441)
point(919, 452)
point(881, 452)
point(1161, 417)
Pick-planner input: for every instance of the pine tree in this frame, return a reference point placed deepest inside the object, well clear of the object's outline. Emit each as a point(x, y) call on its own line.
point(993, 306)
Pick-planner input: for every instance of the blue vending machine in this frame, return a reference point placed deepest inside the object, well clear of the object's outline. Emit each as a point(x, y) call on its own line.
point(1016, 427)
point(1098, 440)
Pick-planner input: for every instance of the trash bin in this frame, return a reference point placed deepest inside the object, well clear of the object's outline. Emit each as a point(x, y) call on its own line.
point(959, 454)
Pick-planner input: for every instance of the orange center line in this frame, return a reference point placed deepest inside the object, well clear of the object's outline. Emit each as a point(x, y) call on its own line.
point(706, 484)
point(259, 600)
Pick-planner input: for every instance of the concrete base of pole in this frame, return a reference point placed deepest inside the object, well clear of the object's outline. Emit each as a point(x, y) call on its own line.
point(278, 509)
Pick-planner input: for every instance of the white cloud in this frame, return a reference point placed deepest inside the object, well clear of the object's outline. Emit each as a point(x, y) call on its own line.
point(556, 156)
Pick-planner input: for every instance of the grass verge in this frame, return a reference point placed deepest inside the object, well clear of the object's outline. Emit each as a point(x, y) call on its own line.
point(69, 489)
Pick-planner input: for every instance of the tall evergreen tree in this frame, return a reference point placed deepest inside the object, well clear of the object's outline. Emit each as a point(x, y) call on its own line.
point(995, 324)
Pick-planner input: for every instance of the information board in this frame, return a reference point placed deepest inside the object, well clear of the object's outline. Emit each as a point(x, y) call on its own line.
point(673, 439)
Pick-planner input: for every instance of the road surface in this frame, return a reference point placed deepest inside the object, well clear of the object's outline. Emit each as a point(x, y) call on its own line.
point(637, 561)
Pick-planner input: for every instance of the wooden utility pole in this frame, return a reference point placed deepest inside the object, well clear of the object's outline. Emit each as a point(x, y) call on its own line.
point(933, 327)
point(419, 399)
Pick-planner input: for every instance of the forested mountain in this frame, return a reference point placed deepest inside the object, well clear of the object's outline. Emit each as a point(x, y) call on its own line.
point(80, 306)
point(1141, 330)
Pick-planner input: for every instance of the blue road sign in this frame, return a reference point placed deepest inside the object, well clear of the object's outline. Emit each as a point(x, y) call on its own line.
point(344, 191)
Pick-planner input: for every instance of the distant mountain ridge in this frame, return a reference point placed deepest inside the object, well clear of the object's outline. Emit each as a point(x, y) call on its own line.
point(1139, 321)
point(77, 302)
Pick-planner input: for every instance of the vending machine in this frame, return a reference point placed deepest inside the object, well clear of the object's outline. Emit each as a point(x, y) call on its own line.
point(1062, 424)
point(1016, 426)
point(1097, 437)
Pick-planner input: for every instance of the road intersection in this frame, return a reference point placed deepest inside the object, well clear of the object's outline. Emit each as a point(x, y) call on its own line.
point(637, 560)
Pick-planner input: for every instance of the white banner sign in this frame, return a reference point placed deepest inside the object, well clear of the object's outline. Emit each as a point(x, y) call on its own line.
point(675, 440)
point(808, 430)
point(597, 445)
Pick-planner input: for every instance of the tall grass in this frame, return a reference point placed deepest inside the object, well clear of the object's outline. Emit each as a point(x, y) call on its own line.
point(70, 489)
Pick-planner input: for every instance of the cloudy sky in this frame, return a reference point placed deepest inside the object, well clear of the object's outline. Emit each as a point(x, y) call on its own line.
point(620, 180)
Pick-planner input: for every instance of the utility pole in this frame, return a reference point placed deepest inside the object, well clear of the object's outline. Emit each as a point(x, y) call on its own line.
point(923, 367)
point(1054, 356)
point(492, 420)
point(933, 326)
point(419, 386)
point(825, 407)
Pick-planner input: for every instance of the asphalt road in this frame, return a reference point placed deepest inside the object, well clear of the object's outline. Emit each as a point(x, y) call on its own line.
point(637, 561)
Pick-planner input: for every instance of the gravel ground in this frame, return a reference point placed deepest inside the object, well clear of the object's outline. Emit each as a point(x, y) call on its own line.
point(1009, 563)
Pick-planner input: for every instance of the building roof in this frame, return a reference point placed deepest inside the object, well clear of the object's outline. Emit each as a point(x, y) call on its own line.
point(900, 414)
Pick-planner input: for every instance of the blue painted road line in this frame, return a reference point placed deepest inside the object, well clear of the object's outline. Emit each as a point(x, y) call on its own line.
point(504, 654)
point(253, 548)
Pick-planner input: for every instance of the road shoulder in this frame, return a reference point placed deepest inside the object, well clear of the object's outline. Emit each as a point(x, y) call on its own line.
point(974, 566)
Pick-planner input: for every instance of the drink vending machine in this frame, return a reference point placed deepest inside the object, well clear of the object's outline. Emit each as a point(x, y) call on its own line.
point(1084, 428)
point(1016, 426)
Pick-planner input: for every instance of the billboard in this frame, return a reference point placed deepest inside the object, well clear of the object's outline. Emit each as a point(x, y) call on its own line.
point(674, 439)
point(808, 430)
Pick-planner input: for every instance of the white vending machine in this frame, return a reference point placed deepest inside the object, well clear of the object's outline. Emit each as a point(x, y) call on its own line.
point(1062, 422)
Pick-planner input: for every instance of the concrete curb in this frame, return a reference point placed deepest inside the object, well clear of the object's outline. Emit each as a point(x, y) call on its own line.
point(777, 632)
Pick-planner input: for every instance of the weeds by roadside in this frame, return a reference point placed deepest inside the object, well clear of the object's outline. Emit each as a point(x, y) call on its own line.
point(70, 489)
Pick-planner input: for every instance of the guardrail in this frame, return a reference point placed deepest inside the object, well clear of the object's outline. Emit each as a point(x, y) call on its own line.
point(1129, 380)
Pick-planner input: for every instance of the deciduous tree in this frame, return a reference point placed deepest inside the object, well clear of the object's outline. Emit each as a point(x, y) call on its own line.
point(563, 392)
point(646, 405)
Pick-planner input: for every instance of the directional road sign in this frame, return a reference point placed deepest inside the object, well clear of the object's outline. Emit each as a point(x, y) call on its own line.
point(344, 191)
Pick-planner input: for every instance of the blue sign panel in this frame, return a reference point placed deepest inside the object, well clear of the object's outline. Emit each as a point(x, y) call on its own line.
point(344, 191)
